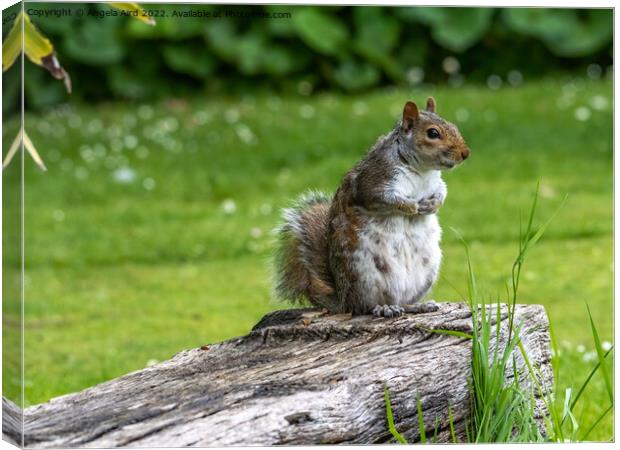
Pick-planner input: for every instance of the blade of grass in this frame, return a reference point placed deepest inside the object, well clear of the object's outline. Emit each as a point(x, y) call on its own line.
point(550, 408)
point(498, 321)
point(525, 243)
point(434, 438)
point(567, 394)
point(601, 358)
point(471, 279)
point(541, 230)
point(567, 411)
point(454, 333)
point(421, 421)
point(454, 288)
point(530, 221)
point(451, 423)
point(390, 417)
point(590, 375)
point(597, 422)
point(469, 432)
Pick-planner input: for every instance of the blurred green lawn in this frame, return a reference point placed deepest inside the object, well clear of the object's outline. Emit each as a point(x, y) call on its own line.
point(150, 232)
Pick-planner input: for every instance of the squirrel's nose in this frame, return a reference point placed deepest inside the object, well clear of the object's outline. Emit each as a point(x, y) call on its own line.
point(465, 153)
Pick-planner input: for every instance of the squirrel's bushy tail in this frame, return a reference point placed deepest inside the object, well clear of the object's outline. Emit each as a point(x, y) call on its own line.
point(301, 260)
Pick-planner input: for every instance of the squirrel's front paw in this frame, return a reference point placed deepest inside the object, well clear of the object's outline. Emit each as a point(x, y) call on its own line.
point(388, 311)
point(421, 308)
point(408, 209)
point(429, 205)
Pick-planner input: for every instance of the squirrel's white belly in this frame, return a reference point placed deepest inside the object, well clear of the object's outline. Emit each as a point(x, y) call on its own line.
point(397, 259)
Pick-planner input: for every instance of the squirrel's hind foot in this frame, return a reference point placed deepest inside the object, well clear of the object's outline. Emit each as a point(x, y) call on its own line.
point(388, 311)
point(397, 310)
point(421, 308)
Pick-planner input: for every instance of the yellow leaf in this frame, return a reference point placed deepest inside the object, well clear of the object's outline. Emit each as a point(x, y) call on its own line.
point(37, 47)
point(12, 45)
point(28, 145)
point(12, 150)
point(134, 10)
point(30, 148)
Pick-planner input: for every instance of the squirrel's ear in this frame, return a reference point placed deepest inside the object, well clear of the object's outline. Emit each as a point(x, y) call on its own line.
point(410, 115)
point(430, 104)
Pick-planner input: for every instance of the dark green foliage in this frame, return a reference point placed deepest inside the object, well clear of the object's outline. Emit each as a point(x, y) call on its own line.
point(355, 76)
point(570, 33)
point(455, 29)
point(346, 48)
point(195, 62)
point(95, 42)
point(320, 30)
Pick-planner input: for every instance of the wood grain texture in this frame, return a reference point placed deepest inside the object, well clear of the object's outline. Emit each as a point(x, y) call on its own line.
point(299, 377)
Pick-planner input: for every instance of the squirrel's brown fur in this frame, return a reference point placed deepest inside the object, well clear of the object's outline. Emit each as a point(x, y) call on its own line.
point(302, 254)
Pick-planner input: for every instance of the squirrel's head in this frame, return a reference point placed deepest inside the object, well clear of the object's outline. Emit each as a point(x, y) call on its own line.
point(435, 143)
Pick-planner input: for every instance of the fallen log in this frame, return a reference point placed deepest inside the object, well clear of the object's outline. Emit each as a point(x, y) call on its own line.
point(299, 377)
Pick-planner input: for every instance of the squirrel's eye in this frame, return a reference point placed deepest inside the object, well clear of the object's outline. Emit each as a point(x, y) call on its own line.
point(432, 133)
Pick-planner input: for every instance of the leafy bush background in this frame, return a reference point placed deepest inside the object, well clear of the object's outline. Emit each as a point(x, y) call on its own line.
point(330, 47)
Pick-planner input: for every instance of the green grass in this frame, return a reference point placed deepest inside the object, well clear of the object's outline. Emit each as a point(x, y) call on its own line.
point(504, 412)
point(501, 410)
point(120, 274)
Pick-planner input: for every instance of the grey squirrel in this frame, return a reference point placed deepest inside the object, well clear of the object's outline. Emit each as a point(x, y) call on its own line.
point(374, 246)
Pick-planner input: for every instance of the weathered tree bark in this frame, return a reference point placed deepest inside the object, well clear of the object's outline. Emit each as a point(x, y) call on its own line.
point(300, 377)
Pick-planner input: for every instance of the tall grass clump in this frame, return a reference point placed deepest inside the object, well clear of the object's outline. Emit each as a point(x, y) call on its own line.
point(501, 410)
